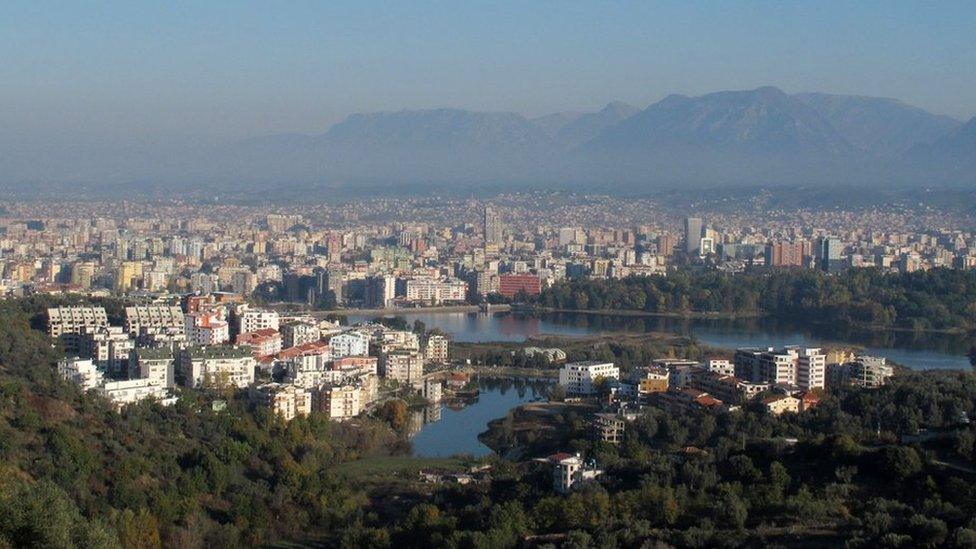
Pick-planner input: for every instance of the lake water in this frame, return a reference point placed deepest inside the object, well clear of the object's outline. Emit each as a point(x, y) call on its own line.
point(452, 428)
point(915, 350)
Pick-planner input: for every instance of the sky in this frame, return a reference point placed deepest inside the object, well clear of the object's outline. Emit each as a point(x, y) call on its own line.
point(144, 70)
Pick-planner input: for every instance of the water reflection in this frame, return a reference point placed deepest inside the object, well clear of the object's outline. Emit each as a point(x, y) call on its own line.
point(914, 349)
point(452, 427)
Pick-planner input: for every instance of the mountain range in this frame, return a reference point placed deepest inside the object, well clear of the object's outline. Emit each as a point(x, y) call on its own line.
point(761, 136)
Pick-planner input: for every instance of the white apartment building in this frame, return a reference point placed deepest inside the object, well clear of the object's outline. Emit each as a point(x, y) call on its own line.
point(131, 391)
point(352, 343)
point(108, 346)
point(403, 366)
point(206, 328)
point(216, 366)
point(437, 348)
point(339, 402)
point(66, 323)
point(297, 332)
point(81, 371)
point(252, 320)
point(723, 367)
point(802, 367)
point(579, 378)
point(151, 319)
point(157, 365)
point(436, 291)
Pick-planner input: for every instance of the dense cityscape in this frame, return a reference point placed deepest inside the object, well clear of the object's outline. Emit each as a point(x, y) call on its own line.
point(505, 275)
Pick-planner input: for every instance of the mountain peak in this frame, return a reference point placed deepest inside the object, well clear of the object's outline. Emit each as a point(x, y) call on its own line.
point(763, 120)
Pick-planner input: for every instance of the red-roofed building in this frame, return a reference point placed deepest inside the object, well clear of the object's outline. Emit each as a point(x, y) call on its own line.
point(264, 343)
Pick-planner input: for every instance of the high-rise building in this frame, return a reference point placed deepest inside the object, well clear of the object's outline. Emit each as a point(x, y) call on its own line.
point(693, 234)
point(493, 227)
point(784, 254)
point(828, 254)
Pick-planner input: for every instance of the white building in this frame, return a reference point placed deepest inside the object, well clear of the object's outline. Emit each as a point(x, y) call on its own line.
point(217, 366)
point(131, 391)
point(298, 332)
point(339, 402)
point(158, 365)
point(437, 349)
point(206, 328)
point(352, 343)
point(108, 346)
point(66, 323)
point(579, 378)
point(436, 291)
point(569, 471)
point(403, 366)
point(252, 320)
point(151, 319)
point(81, 371)
point(723, 367)
point(802, 367)
point(433, 390)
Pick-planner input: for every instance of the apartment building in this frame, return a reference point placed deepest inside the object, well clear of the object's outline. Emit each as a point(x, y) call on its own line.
point(436, 349)
point(339, 402)
point(287, 401)
point(66, 323)
point(264, 343)
point(802, 367)
point(403, 366)
point(298, 332)
point(252, 320)
point(81, 371)
point(352, 343)
point(217, 366)
point(152, 319)
point(580, 378)
point(108, 346)
point(158, 365)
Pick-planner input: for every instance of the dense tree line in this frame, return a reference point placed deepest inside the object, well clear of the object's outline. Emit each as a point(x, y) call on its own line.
point(935, 299)
point(76, 473)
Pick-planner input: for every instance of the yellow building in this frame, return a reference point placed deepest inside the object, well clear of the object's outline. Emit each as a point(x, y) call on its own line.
point(129, 272)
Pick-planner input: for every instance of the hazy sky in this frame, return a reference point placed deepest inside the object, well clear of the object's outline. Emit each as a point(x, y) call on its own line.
point(228, 69)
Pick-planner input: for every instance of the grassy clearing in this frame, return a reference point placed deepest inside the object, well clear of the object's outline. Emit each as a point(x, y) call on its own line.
point(389, 468)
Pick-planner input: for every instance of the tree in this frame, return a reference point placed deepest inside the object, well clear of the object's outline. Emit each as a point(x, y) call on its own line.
point(394, 412)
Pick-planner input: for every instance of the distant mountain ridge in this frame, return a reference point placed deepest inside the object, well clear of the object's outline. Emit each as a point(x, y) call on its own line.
point(877, 125)
point(762, 136)
point(764, 120)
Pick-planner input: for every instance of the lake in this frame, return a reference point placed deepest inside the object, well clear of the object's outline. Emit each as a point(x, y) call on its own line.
point(452, 428)
point(920, 351)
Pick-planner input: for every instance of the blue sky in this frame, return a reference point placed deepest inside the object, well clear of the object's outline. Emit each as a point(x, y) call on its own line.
point(228, 69)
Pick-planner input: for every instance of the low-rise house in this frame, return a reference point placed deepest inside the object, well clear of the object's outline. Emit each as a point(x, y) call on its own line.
point(570, 472)
point(779, 404)
point(683, 400)
point(131, 391)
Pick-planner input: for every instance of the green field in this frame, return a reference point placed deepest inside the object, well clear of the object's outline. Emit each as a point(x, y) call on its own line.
point(389, 468)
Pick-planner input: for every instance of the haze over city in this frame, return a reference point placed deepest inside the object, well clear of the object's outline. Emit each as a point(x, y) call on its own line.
point(148, 94)
point(514, 275)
